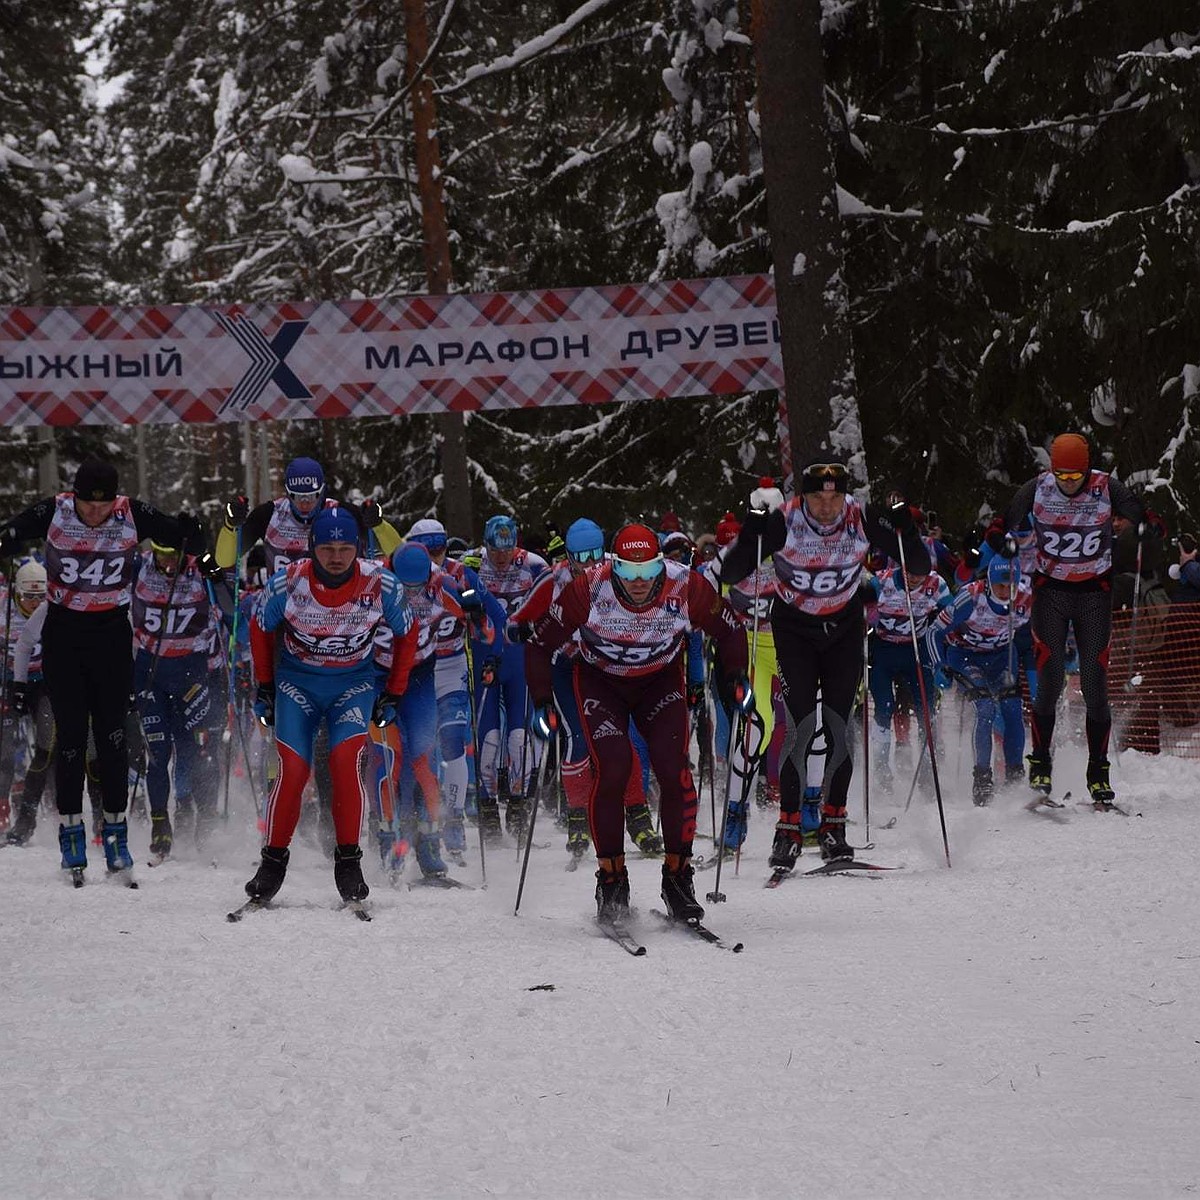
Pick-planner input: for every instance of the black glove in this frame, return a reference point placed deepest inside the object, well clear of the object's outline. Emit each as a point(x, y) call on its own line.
point(191, 532)
point(264, 704)
point(516, 632)
point(384, 712)
point(1009, 549)
point(236, 512)
point(208, 566)
point(471, 601)
point(18, 697)
point(372, 514)
point(900, 514)
point(695, 695)
point(489, 670)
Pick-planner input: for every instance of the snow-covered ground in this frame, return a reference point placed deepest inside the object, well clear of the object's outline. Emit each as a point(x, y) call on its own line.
point(1024, 1024)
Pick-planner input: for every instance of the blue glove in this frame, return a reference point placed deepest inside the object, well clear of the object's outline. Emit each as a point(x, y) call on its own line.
point(544, 722)
point(384, 712)
point(264, 704)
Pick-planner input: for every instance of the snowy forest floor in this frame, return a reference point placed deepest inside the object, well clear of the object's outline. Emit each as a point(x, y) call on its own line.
point(1024, 1024)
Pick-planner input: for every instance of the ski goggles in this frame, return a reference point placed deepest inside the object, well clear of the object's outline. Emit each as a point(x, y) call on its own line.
point(586, 557)
point(824, 477)
point(431, 541)
point(627, 570)
point(1068, 476)
point(304, 497)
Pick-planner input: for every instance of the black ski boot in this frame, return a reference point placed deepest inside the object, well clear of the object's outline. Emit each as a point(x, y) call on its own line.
point(161, 835)
point(269, 878)
point(24, 826)
point(1013, 773)
point(831, 837)
point(578, 841)
point(789, 840)
point(347, 872)
point(678, 889)
point(1039, 773)
point(640, 824)
point(982, 787)
point(1099, 788)
point(516, 816)
point(612, 890)
point(489, 819)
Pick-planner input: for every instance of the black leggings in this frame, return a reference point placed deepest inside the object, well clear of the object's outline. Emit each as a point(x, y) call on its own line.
point(828, 657)
point(87, 662)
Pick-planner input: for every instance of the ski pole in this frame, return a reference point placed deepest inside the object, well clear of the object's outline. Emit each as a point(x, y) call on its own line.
point(866, 729)
point(8, 646)
point(716, 896)
point(231, 666)
point(529, 834)
point(751, 770)
point(1137, 587)
point(475, 749)
point(912, 629)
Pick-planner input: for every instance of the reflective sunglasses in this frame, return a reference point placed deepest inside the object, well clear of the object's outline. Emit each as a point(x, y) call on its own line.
point(583, 557)
point(1069, 476)
point(298, 497)
point(638, 570)
point(826, 470)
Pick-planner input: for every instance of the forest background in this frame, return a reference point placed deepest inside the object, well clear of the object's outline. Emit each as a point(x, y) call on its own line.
point(1018, 183)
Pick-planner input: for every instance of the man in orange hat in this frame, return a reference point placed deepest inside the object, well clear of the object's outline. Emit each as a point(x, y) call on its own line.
point(1074, 509)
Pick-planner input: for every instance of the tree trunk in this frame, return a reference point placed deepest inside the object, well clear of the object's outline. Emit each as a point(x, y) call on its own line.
point(456, 483)
point(806, 234)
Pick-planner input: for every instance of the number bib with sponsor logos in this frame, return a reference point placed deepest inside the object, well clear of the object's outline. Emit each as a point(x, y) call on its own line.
point(90, 570)
point(891, 609)
point(170, 617)
point(513, 584)
point(287, 536)
point(320, 635)
point(1074, 533)
point(985, 628)
point(19, 620)
point(741, 597)
point(432, 619)
point(624, 641)
point(818, 573)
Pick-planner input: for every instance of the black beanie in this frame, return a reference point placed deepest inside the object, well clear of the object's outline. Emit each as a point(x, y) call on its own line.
point(95, 480)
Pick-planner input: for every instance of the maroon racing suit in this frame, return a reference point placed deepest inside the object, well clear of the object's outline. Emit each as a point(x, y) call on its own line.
point(631, 665)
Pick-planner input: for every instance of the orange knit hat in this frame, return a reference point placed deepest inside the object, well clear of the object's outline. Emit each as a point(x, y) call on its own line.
point(1070, 452)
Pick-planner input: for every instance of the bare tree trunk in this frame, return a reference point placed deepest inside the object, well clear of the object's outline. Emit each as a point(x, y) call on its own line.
point(456, 483)
point(806, 234)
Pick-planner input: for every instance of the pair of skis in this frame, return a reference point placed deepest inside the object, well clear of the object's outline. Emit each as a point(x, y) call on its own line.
point(835, 866)
point(354, 906)
point(1056, 809)
point(618, 931)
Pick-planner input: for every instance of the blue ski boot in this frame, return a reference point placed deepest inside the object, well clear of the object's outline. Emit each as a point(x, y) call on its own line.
point(72, 841)
point(429, 850)
point(810, 815)
point(735, 824)
point(454, 834)
point(115, 835)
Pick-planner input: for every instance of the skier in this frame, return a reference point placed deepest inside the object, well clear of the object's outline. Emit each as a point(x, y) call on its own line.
point(820, 540)
point(508, 573)
point(632, 615)
point(1075, 509)
point(327, 610)
point(976, 638)
point(172, 633)
point(91, 536)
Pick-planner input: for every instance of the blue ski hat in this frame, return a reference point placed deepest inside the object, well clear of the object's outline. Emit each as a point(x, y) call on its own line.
point(412, 565)
point(585, 540)
point(304, 475)
point(500, 533)
point(334, 525)
point(1004, 571)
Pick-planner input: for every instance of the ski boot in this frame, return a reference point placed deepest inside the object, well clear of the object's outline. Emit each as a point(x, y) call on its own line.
point(761, 799)
point(489, 819)
point(612, 890)
point(982, 787)
point(789, 839)
point(24, 826)
point(736, 816)
point(429, 851)
point(678, 889)
point(1099, 788)
point(161, 835)
point(831, 837)
point(516, 817)
point(1039, 773)
point(810, 815)
point(115, 835)
point(72, 841)
point(269, 877)
point(347, 872)
point(641, 828)
point(184, 825)
point(578, 841)
point(454, 837)
point(1013, 773)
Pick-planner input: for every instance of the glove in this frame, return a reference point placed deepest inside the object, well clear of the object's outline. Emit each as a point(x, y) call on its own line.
point(695, 696)
point(208, 566)
point(372, 514)
point(1009, 548)
point(264, 705)
point(899, 514)
point(516, 632)
point(18, 697)
point(474, 560)
point(556, 548)
point(738, 686)
point(191, 532)
point(489, 670)
point(544, 722)
point(471, 601)
point(236, 512)
point(769, 499)
point(384, 712)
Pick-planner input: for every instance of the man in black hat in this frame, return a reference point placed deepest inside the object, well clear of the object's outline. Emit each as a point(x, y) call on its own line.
point(91, 537)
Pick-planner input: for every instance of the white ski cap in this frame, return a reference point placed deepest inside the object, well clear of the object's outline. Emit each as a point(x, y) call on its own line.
point(30, 579)
point(427, 526)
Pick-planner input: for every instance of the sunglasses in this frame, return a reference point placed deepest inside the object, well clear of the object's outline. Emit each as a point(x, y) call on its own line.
point(1069, 476)
point(298, 497)
point(638, 570)
point(586, 556)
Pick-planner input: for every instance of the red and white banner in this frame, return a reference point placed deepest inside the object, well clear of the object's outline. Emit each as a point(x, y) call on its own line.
point(369, 358)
